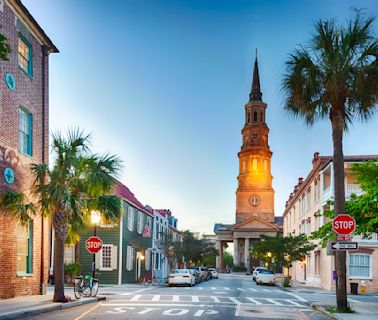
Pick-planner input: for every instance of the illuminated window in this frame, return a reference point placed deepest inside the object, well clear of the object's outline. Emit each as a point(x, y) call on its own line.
point(25, 56)
point(24, 248)
point(254, 164)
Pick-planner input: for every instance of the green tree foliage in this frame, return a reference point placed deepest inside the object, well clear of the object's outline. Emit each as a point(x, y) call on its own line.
point(284, 250)
point(77, 183)
point(4, 48)
point(192, 248)
point(228, 259)
point(364, 208)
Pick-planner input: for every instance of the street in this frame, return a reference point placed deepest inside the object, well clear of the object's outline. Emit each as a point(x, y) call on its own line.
point(229, 297)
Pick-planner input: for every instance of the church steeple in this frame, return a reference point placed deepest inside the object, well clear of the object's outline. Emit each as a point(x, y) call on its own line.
point(255, 94)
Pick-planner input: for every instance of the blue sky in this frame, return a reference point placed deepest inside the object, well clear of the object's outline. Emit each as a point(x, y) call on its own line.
point(163, 84)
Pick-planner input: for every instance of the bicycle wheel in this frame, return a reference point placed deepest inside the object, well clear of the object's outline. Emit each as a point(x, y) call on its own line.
point(77, 291)
point(94, 289)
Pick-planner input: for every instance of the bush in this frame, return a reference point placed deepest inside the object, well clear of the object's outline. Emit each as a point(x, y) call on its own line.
point(286, 282)
point(239, 269)
point(71, 270)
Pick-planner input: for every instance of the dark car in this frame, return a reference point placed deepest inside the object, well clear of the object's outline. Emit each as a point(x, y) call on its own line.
point(196, 274)
point(203, 271)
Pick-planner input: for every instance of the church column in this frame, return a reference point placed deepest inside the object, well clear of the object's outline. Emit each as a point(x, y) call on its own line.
point(236, 252)
point(219, 258)
point(247, 255)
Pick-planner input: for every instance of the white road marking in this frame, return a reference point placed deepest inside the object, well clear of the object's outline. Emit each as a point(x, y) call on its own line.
point(274, 302)
point(352, 300)
point(254, 290)
point(215, 299)
point(156, 297)
point(266, 290)
point(234, 300)
point(175, 298)
point(220, 292)
point(296, 296)
point(294, 303)
point(175, 312)
point(257, 303)
point(213, 288)
point(241, 289)
point(129, 293)
point(195, 299)
point(200, 288)
point(157, 304)
point(226, 288)
point(147, 310)
point(136, 297)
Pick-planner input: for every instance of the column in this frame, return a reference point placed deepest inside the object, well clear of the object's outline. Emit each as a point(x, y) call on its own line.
point(236, 252)
point(219, 259)
point(247, 255)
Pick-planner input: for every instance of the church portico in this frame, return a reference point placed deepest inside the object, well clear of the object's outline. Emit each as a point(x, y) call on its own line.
point(254, 195)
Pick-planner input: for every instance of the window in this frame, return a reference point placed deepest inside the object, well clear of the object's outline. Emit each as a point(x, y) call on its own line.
point(308, 206)
point(26, 127)
point(69, 254)
point(265, 165)
point(317, 262)
point(130, 258)
point(106, 259)
point(140, 226)
point(25, 55)
point(106, 256)
point(360, 266)
point(255, 116)
point(130, 219)
point(24, 248)
point(254, 164)
point(157, 261)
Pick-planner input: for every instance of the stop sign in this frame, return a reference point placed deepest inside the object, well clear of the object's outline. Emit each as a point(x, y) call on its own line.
point(343, 224)
point(93, 244)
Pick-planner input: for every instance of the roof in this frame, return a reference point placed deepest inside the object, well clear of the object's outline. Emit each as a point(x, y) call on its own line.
point(122, 191)
point(278, 220)
point(222, 227)
point(23, 11)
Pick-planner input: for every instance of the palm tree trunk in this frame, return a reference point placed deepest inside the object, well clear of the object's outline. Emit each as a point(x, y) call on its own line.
point(339, 188)
point(60, 234)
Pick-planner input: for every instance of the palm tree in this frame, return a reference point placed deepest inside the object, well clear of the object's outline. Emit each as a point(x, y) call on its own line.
point(77, 183)
point(4, 48)
point(335, 76)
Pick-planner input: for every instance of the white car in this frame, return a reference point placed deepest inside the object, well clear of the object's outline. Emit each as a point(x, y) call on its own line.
point(265, 277)
point(255, 271)
point(181, 277)
point(214, 273)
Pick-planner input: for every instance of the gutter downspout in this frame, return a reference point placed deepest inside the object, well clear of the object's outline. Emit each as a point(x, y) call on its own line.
point(42, 265)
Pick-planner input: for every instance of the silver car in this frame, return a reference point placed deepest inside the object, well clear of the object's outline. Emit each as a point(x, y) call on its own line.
point(256, 270)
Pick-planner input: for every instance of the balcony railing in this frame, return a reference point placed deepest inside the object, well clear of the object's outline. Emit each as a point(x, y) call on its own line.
point(349, 189)
point(360, 238)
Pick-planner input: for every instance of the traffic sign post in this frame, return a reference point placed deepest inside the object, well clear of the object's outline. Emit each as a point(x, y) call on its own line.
point(343, 224)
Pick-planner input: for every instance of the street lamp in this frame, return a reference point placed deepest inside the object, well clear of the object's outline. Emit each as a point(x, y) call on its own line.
point(95, 219)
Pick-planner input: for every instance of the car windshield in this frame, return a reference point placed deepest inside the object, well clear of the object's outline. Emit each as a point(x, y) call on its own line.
point(265, 272)
point(180, 271)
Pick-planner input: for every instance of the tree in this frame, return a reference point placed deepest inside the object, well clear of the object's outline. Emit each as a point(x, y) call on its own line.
point(192, 247)
point(363, 208)
point(284, 250)
point(77, 183)
point(335, 76)
point(4, 48)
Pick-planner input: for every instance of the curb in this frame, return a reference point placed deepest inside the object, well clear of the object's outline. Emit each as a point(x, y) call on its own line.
point(55, 306)
point(325, 312)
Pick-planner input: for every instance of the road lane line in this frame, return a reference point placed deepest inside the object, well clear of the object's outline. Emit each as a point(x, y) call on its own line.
point(294, 303)
point(226, 288)
point(234, 300)
point(215, 299)
point(157, 304)
point(296, 296)
point(156, 297)
point(88, 311)
point(257, 303)
point(241, 289)
point(274, 302)
point(136, 297)
point(176, 298)
point(195, 298)
point(129, 293)
point(213, 288)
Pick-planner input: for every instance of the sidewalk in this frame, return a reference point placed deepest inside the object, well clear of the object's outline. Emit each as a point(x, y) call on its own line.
point(25, 306)
point(362, 311)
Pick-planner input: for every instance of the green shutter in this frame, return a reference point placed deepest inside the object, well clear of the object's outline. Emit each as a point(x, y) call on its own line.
point(30, 134)
point(29, 264)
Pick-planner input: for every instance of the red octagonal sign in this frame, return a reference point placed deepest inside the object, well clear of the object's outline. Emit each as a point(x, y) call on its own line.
point(93, 244)
point(343, 224)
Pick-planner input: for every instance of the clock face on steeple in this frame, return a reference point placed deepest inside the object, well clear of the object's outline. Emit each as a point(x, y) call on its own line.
point(254, 200)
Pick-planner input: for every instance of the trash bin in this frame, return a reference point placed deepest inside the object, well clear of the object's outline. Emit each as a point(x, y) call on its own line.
point(354, 288)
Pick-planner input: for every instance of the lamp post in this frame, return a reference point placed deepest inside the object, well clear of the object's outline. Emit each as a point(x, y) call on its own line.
point(95, 219)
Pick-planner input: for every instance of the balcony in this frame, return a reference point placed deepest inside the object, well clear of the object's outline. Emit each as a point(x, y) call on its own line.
point(328, 193)
point(361, 239)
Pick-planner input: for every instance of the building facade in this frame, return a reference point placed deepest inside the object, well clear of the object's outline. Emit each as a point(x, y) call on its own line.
point(304, 213)
point(255, 194)
point(24, 130)
point(126, 254)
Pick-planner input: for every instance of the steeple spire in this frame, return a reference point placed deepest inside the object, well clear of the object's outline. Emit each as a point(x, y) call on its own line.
point(255, 94)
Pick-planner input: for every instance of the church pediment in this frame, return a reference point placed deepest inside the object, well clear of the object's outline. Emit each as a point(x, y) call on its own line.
point(255, 223)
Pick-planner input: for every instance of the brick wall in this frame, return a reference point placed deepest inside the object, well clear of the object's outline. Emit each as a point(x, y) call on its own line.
point(28, 94)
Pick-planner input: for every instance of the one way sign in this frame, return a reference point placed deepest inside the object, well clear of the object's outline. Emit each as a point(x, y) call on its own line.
point(333, 246)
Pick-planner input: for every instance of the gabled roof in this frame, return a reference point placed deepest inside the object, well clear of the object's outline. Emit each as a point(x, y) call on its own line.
point(255, 221)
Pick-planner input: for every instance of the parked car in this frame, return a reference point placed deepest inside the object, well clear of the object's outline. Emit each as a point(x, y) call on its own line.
point(196, 274)
point(265, 277)
point(204, 272)
point(181, 277)
point(214, 273)
point(257, 269)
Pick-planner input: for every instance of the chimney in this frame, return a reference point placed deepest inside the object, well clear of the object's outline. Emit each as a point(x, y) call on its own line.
point(315, 159)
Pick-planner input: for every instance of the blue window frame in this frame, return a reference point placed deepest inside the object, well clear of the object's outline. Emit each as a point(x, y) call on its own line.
point(25, 55)
point(26, 129)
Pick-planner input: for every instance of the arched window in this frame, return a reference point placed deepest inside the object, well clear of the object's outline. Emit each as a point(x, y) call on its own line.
point(262, 116)
point(255, 116)
point(248, 117)
point(265, 165)
point(254, 164)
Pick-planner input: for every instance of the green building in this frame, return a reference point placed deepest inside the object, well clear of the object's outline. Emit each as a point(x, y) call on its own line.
point(125, 256)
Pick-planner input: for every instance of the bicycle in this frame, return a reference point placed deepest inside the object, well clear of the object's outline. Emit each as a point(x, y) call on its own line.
point(86, 286)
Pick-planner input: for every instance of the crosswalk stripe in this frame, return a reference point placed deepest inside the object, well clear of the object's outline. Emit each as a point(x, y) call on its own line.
point(213, 288)
point(266, 290)
point(234, 300)
point(195, 299)
point(176, 298)
point(136, 297)
point(252, 289)
point(274, 302)
point(258, 303)
point(293, 302)
point(296, 296)
point(241, 289)
point(226, 288)
point(215, 299)
point(200, 288)
point(156, 297)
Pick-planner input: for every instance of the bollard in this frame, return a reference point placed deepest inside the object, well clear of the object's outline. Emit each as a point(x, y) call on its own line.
point(363, 287)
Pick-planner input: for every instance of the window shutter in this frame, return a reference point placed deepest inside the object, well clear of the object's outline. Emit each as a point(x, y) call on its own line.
point(113, 261)
point(147, 260)
point(98, 260)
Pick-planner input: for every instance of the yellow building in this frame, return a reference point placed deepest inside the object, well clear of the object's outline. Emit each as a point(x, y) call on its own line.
point(304, 214)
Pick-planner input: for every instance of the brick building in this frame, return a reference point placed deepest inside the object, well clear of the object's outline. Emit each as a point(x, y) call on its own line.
point(24, 249)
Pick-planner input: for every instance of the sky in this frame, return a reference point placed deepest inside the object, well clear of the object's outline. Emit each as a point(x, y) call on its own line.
point(163, 85)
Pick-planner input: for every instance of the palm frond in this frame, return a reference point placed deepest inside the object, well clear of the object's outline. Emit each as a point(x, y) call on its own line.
point(15, 204)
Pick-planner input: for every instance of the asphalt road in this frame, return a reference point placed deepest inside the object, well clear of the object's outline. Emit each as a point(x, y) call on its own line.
point(229, 297)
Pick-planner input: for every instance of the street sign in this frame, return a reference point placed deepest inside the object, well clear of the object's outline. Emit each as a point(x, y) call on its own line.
point(343, 224)
point(333, 246)
point(343, 238)
point(93, 244)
